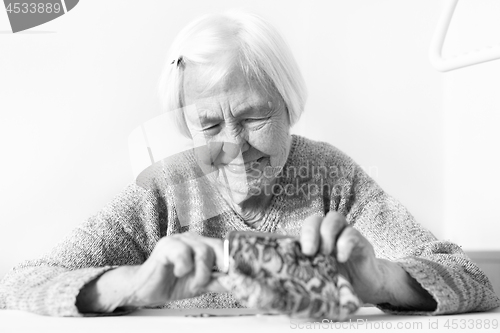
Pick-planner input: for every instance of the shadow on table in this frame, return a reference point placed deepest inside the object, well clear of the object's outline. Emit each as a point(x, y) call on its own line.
point(235, 312)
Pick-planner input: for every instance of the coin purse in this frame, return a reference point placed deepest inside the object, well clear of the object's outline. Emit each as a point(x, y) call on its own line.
point(269, 272)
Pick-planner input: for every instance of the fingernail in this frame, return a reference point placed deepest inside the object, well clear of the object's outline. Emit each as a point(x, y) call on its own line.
point(306, 250)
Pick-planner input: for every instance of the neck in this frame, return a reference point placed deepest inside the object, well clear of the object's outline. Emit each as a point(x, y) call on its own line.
point(252, 209)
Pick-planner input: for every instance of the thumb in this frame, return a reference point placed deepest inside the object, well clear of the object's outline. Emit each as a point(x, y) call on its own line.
point(214, 285)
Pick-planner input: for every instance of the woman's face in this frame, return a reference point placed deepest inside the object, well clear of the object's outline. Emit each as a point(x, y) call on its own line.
point(241, 129)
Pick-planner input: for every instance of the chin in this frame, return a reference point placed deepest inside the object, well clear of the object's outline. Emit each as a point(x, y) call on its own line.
point(242, 191)
point(240, 194)
point(239, 198)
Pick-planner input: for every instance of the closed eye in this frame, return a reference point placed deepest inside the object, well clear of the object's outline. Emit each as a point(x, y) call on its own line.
point(214, 129)
point(255, 123)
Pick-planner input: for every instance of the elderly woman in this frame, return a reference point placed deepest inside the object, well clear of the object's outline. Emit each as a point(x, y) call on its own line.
point(239, 91)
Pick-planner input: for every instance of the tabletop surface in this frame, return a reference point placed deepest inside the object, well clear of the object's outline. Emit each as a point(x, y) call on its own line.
point(245, 320)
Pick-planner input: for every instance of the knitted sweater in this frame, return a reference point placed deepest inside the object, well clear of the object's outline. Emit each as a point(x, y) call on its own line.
point(174, 197)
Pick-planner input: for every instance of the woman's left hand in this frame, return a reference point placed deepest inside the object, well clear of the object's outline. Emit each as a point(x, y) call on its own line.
point(332, 236)
point(374, 280)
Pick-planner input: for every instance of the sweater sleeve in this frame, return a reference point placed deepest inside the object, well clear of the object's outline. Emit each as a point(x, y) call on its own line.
point(123, 233)
point(441, 267)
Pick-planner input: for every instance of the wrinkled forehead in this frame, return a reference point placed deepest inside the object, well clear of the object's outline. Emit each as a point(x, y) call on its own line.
point(235, 90)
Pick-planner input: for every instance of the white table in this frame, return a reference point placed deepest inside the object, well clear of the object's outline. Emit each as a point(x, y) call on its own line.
point(244, 320)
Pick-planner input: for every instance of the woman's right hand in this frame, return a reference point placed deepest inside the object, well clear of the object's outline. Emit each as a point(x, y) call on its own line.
point(180, 266)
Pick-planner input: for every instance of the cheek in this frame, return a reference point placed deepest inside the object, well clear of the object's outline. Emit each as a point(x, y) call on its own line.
point(206, 155)
point(273, 140)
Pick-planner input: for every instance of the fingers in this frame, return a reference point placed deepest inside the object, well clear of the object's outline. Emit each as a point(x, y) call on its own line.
point(214, 285)
point(202, 260)
point(190, 253)
point(217, 246)
point(310, 237)
point(349, 240)
point(173, 251)
point(329, 235)
point(331, 227)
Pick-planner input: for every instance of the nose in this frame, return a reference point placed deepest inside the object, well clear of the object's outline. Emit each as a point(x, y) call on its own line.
point(232, 146)
point(233, 149)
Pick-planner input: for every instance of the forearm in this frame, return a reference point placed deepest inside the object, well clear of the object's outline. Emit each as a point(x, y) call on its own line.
point(107, 292)
point(47, 290)
point(402, 291)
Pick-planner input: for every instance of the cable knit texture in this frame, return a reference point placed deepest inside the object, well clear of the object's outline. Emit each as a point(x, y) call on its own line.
point(175, 196)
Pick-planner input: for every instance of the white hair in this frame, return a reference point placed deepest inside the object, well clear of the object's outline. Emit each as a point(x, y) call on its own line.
point(218, 42)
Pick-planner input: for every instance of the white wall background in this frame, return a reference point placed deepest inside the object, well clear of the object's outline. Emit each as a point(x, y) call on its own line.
point(73, 89)
point(471, 104)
